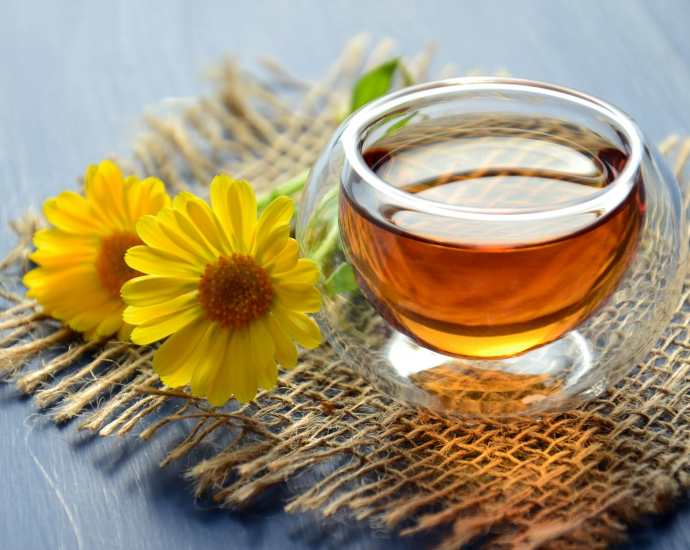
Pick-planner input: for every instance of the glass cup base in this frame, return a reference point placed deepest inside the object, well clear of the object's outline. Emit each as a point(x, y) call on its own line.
point(521, 385)
point(549, 379)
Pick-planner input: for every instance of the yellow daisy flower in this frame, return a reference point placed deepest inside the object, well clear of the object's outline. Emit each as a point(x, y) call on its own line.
point(230, 291)
point(82, 258)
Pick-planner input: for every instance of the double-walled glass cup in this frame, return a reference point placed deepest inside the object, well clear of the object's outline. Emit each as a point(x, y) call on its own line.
point(493, 247)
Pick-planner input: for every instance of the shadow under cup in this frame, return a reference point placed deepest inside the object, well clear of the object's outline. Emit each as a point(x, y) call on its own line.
point(517, 246)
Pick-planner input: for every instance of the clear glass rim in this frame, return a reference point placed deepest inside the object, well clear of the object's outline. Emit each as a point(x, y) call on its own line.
point(601, 202)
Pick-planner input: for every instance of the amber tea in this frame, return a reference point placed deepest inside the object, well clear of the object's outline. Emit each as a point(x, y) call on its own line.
point(490, 290)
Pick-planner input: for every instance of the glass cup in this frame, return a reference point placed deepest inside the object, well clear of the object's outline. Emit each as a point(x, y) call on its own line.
point(493, 247)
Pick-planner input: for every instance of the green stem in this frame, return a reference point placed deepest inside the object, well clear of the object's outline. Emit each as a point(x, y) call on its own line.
point(289, 188)
point(327, 246)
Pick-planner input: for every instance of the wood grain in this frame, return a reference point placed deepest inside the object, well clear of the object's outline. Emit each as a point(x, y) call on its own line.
point(74, 78)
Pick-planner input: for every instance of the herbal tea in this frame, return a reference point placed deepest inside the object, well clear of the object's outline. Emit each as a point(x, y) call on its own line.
point(490, 290)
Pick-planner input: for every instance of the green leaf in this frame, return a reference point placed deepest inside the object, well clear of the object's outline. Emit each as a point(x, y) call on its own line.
point(401, 123)
point(341, 280)
point(373, 84)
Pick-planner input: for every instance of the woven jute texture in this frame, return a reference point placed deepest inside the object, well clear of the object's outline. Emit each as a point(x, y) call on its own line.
point(577, 480)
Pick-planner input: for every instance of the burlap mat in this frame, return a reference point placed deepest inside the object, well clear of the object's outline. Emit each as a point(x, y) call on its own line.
point(574, 481)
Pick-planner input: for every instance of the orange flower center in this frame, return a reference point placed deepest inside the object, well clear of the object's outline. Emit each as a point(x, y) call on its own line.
point(110, 264)
point(234, 290)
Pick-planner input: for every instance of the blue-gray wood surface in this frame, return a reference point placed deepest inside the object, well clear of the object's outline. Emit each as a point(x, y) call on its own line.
point(74, 78)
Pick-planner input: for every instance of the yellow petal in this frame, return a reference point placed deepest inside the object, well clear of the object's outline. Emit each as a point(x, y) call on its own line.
point(262, 344)
point(181, 231)
point(92, 317)
point(245, 380)
point(158, 198)
point(153, 261)
point(179, 355)
point(136, 199)
point(305, 272)
point(161, 327)
point(142, 198)
point(65, 259)
point(139, 315)
point(286, 260)
point(211, 362)
point(257, 350)
point(111, 324)
point(87, 287)
point(90, 335)
point(180, 202)
point(124, 332)
point(105, 191)
point(219, 204)
point(154, 289)
point(268, 375)
point(277, 213)
point(206, 221)
point(272, 244)
point(298, 297)
point(242, 211)
point(234, 204)
point(56, 277)
point(150, 232)
point(220, 390)
point(301, 328)
point(145, 197)
point(70, 212)
point(57, 240)
point(285, 349)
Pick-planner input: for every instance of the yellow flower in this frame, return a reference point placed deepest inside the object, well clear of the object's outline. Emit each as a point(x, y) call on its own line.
point(230, 290)
point(82, 259)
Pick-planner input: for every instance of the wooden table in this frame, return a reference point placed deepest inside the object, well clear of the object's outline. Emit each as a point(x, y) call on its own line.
point(74, 78)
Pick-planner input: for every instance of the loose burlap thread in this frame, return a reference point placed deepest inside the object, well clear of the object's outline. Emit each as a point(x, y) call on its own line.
point(577, 480)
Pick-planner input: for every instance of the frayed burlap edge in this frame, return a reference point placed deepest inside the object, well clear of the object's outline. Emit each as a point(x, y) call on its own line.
point(574, 481)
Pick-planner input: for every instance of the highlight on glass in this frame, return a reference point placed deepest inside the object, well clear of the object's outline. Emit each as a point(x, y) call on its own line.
point(493, 247)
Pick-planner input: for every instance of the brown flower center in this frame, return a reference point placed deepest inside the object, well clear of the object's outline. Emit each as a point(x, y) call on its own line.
point(110, 264)
point(234, 290)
